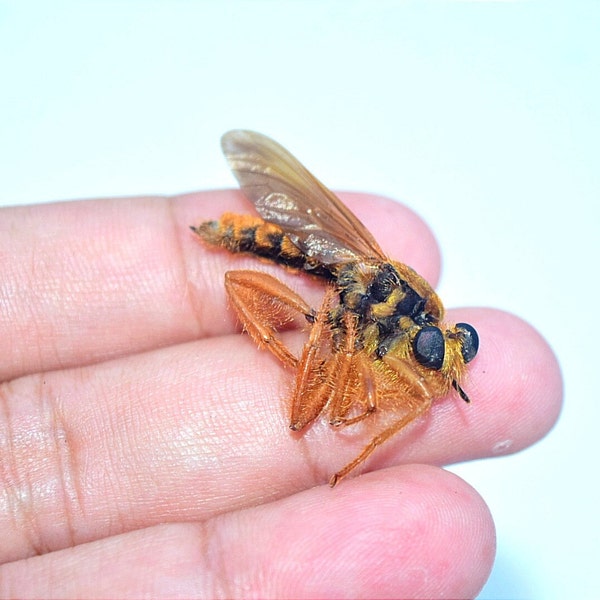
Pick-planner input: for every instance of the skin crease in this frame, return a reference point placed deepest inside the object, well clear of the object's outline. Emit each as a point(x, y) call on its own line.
point(145, 447)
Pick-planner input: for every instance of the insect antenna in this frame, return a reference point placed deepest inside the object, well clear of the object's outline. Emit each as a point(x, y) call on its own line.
point(460, 391)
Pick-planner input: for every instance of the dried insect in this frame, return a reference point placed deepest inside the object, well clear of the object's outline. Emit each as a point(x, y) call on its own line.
point(378, 341)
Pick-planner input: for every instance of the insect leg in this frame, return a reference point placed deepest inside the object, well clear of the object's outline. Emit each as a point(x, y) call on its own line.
point(369, 390)
point(379, 439)
point(355, 380)
point(263, 305)
point(419, 403)
point(311, 391)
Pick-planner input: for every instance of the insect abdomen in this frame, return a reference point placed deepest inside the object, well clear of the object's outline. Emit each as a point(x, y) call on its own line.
point(253, 235)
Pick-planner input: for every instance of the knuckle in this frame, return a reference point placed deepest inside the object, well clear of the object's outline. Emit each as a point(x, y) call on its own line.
point(38, 478)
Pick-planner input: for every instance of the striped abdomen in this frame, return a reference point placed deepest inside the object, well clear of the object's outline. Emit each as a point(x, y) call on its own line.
point(253, 235)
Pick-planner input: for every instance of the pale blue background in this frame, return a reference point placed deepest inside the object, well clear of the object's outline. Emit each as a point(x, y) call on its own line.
point(483, 116)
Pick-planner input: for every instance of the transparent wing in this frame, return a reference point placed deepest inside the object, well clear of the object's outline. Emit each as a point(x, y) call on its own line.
point(285, 193)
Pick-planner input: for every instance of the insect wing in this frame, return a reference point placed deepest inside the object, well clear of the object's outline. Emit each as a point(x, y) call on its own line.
point(285, 193)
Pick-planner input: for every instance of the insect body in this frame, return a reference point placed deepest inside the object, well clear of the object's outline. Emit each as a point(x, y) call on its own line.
point(378, 342)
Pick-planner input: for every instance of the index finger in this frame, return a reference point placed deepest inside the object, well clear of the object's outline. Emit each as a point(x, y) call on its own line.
point(83, 282)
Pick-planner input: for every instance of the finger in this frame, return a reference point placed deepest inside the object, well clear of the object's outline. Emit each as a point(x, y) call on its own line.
point(82, 282)
point(192, 431)
point(408, 532)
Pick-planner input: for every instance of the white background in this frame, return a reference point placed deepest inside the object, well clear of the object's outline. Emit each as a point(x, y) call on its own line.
point(482, 116)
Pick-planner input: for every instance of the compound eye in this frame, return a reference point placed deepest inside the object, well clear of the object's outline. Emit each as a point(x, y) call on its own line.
point(429, 347)
point(469, 343)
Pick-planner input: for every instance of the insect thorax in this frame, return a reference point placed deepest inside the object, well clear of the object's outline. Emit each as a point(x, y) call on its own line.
point(386, 306)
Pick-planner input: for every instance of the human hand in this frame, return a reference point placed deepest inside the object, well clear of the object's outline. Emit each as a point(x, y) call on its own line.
point(145, 447)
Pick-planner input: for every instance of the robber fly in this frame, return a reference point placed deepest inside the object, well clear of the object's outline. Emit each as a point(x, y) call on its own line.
point(377, 343)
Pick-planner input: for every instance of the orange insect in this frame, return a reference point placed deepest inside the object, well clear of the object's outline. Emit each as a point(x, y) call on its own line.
point(378, 343)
